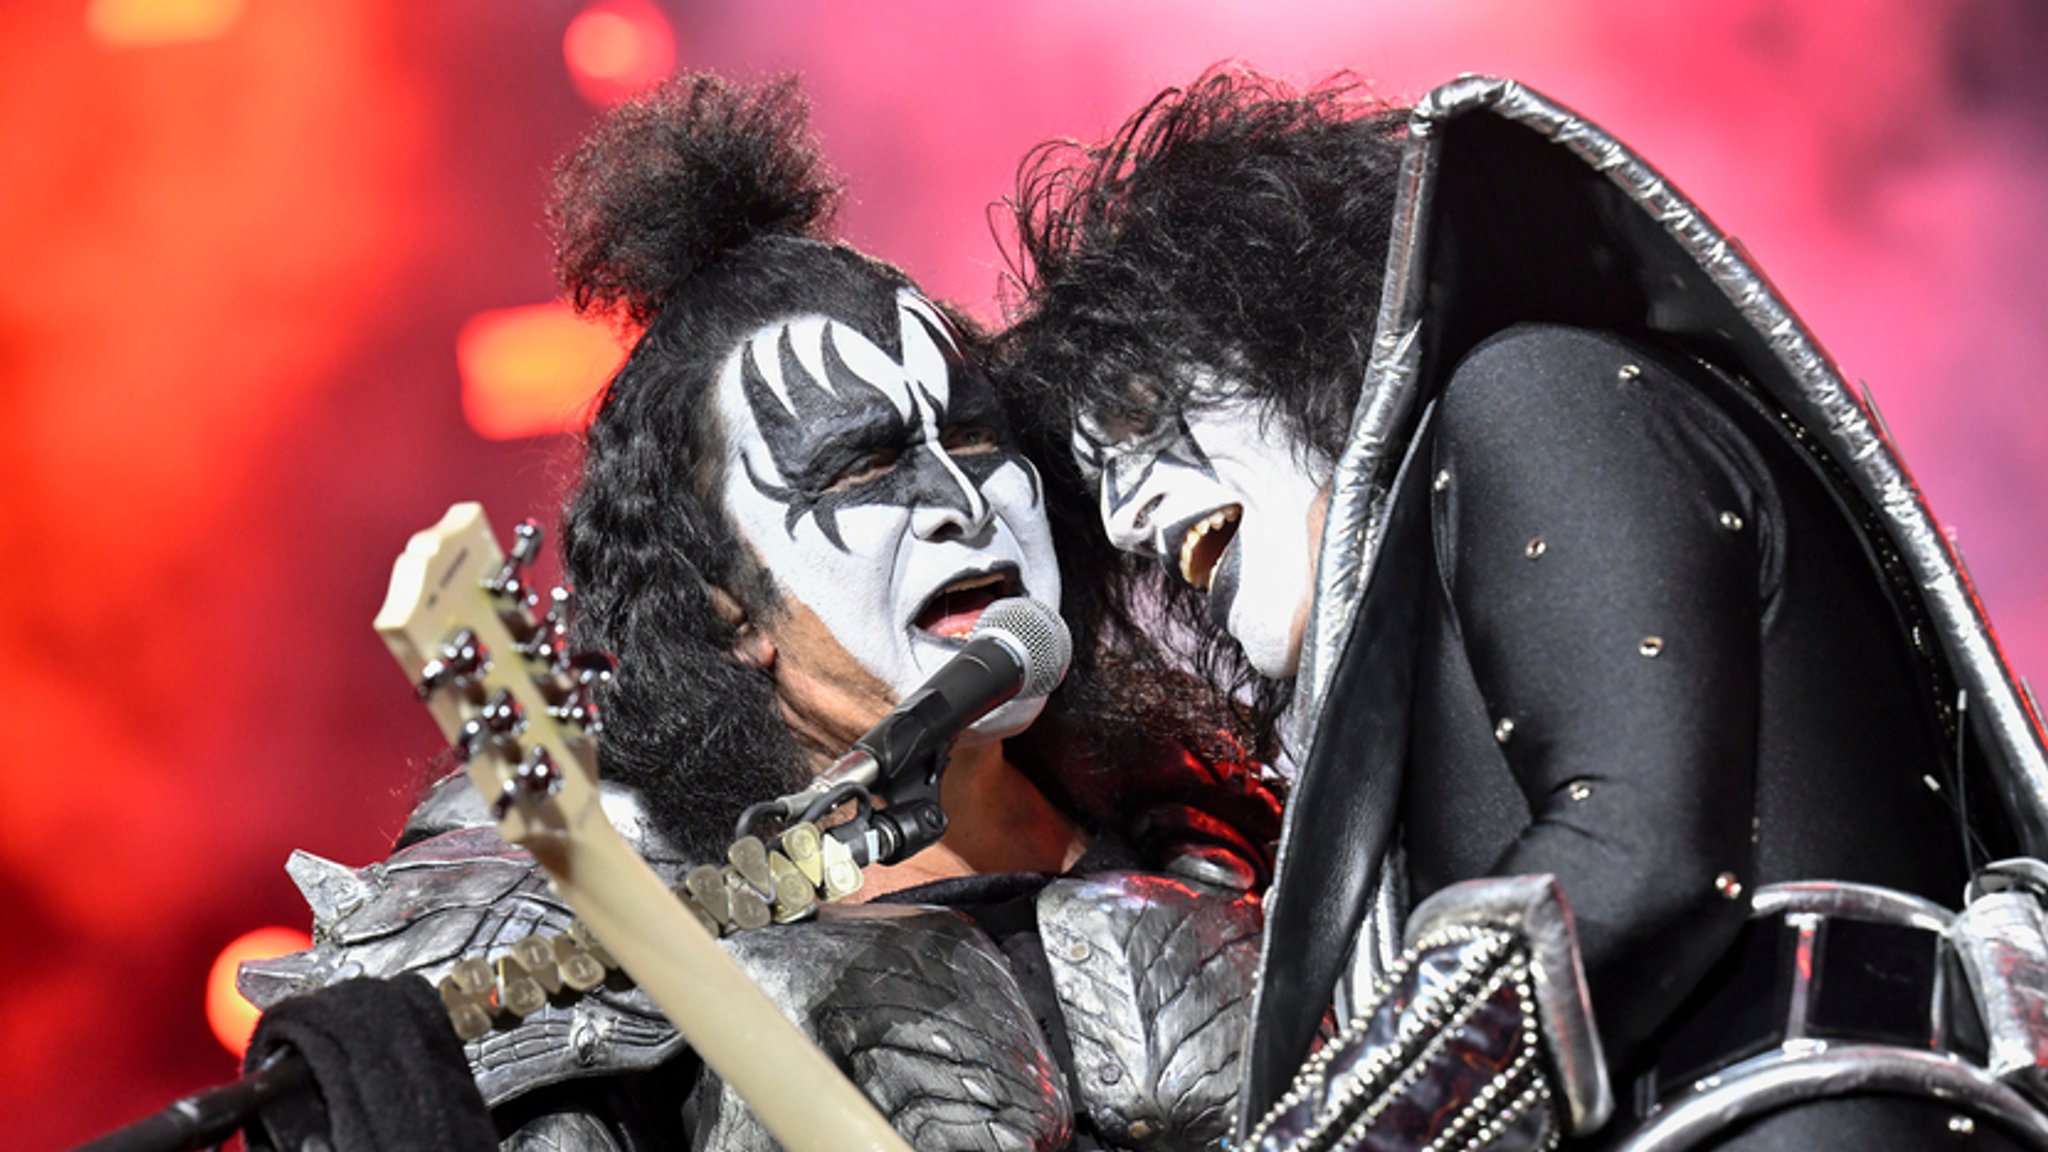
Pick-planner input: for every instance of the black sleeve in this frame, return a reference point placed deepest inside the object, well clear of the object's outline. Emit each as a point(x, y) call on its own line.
point(1604, 538)
point(385, 1064)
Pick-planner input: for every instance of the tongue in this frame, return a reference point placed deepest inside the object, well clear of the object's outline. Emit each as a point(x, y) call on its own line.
point(953, 615)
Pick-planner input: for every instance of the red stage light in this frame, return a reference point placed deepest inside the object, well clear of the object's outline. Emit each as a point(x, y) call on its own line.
point(232, 1018)
point(531, 371)
point(129, 23)
point(615, 48)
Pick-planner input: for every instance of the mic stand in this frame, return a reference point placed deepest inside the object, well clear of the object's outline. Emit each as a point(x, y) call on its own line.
point(891, 835)
point(911, 822)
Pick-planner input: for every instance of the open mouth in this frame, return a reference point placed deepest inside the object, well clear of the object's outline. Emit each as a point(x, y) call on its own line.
point(954, 610)
point(1202, 541)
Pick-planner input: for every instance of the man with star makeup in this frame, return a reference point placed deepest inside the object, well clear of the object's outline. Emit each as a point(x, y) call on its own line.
point(798, 495)
point(1234, 516)
point(880, 485)
point(1647, 734)
point(873, 477)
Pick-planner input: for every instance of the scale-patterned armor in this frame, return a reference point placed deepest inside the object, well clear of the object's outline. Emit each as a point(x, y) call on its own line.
point(1152, 976)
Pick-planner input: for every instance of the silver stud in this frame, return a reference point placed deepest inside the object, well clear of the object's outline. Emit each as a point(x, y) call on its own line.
point(1536, 547)
point(1731, 521)
point(1110, 1073)
point(585, 1041)
point(1079, 951)
point(1504, 729)
point(1962, 1125)
point(1651, 647)
point(1442, 481)
point(1579, 790)
point(1628, 372)
point(1728, 886)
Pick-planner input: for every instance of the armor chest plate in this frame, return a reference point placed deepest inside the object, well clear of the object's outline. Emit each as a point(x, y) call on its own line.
point(1152, 977)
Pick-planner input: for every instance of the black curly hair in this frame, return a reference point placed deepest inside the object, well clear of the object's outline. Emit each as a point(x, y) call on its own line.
point(698, 214)
point(1236, 226)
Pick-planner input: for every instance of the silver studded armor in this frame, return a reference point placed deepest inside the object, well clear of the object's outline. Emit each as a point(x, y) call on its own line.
point(1152, 976)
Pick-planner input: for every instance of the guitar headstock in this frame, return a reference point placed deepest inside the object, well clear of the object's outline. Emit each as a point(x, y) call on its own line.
point(490, 657)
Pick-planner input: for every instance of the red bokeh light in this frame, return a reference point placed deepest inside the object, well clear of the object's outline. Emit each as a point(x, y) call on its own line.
point(615, 48)
point(531, 371)
point(238, 265)
point(133, 23)
point(232, 1018)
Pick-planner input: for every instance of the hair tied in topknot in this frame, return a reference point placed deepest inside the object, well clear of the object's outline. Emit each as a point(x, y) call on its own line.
point(671, 181)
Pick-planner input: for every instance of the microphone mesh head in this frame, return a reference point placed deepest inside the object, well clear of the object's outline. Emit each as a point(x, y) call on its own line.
point(1038, 638)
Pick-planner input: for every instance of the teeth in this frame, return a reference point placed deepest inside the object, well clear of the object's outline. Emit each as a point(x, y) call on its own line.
point(1193, 540)
point(998, 580)
point(977, 582)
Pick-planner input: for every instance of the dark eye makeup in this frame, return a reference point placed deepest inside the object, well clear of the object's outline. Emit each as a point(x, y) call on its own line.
point(969, 439)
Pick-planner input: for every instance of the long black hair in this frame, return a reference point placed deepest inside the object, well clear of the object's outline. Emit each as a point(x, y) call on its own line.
point(1236, 226)
point(698, 214)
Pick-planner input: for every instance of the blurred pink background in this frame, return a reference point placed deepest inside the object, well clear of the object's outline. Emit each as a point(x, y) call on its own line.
point(233, 270)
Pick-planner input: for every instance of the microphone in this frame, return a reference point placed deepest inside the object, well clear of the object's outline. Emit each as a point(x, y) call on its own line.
point(1019, 649)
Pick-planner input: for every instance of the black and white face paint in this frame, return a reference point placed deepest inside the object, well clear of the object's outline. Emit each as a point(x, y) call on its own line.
point(1220, 495)
point(884, 493)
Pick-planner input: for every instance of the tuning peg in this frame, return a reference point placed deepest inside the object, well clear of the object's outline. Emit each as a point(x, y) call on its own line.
point(526, 541)
point(577, 709)
point(462, 657)
point(499, 718)
point(502, 713)
point(556, 618)
point(535, 778)
point(508, 584)
point(508, 795)
point(549, 643)
point(590, 670)
point(538, 774)
point(526, 536)
point(577, 682)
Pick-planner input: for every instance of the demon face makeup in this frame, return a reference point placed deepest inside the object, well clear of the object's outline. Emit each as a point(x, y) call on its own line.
point(881, 489)
point(1220, 494)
